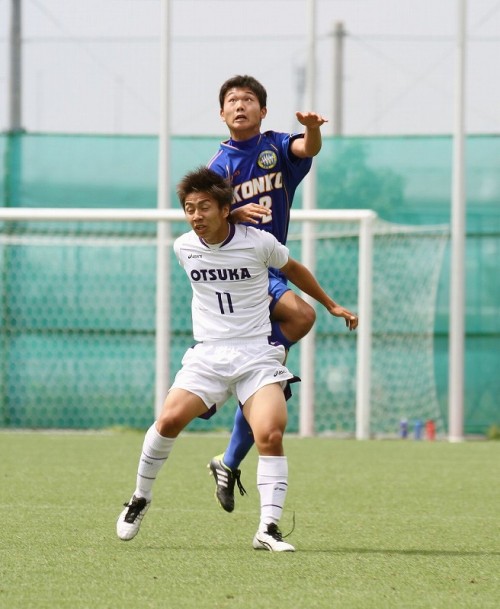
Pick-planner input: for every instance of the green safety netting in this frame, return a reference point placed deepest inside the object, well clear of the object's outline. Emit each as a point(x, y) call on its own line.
point(77, 347)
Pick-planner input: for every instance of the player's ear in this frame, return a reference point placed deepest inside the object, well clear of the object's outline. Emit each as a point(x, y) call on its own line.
point(263, 113)
point(222, 116)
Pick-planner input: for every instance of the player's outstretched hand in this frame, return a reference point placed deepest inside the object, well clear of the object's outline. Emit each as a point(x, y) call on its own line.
point(311, 119)
point(351, 320)
point(252, 213)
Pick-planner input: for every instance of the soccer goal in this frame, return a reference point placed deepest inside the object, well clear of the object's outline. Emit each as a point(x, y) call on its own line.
point(89, 327)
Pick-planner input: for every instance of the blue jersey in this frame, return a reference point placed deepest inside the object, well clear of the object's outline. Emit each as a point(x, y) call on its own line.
point(263, 170)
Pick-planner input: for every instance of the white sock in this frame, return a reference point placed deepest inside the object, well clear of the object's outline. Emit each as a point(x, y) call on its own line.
point(272, 482)
point(155, 451)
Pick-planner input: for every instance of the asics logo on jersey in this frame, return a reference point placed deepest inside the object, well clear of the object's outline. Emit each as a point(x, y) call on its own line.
point(251, 188)
point(220, 274)
point(280, 372)
point(195, 256)
point(267, 159)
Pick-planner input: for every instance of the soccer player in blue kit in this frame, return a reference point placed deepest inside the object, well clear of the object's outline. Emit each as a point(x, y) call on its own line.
point(265, 169)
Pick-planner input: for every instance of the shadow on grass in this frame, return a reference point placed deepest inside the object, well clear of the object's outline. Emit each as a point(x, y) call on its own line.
point(181, 547)
point(402, 552)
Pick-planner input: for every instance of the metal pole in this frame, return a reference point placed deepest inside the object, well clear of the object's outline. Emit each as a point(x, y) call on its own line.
point(15, 85)
point(338, 78)
point(458, 227)
point(307, 344)
point(164, 229)
point(364, 337)
point(13, 167)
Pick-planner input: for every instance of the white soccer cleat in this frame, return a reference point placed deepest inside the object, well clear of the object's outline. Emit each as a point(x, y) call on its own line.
point(129, 521)
point(271, 540)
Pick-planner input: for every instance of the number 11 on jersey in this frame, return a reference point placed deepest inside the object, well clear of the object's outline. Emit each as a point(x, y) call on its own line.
point(225, 302)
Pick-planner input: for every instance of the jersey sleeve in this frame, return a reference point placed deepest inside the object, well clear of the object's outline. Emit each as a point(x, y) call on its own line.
point(219, 164)
point(295, 168)
point(305, 164)
point(275, 253)
point(177, 250)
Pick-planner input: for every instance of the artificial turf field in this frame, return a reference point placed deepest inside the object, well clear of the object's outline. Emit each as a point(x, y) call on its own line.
point(379, 524)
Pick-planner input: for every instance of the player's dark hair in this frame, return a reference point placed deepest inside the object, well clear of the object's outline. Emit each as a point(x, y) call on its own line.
point(243, 82)
point(207, 181)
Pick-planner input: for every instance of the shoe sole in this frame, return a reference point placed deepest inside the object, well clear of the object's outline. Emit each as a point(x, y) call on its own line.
point(267, 548)
point(262, 545)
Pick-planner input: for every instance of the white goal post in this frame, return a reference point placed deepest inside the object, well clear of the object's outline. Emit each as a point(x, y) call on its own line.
point(364, 222)
point(365, 219)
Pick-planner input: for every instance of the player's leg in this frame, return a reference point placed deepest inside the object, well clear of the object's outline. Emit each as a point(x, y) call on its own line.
point(292, 318)
point(240, 442)
point(266, 413)
point(180, 407)
point(225, 467)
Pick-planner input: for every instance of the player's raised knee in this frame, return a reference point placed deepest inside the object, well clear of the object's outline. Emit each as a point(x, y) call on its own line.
point(305, 319)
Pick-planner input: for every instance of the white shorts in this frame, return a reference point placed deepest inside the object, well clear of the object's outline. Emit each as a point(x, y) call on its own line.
point(216, 370)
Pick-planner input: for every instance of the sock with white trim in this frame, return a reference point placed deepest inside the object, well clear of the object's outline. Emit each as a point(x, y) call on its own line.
point(272, 483)
point(155, 451)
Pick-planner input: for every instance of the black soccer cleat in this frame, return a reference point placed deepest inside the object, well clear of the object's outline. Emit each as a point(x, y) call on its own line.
point(225, 479)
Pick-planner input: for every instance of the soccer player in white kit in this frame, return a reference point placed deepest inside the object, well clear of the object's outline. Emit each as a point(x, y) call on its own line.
point(227, 266)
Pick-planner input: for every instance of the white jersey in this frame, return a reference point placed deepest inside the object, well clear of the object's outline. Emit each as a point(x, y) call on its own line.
point(230, 282)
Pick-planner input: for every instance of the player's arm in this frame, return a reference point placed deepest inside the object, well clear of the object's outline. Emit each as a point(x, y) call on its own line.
point(310, 144)
point(302, 277)
point(251, 213)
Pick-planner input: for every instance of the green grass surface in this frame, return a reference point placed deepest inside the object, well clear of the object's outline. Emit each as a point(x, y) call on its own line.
point(380, 524)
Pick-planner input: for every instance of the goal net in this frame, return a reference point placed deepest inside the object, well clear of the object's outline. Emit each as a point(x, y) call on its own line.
point(78, 323)
point(397, 376)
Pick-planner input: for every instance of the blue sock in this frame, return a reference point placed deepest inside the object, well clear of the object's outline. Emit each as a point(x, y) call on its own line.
point(277, 335)
point(240, 442)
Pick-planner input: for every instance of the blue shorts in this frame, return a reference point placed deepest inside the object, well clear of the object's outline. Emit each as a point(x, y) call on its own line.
point(277, 287)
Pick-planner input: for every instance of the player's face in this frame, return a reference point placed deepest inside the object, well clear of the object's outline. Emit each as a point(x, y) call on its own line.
point(206, 217)
point(242, 113)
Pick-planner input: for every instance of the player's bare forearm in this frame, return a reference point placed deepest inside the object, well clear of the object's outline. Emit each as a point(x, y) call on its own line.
point(252, 213)
point(310, 144)
point(302, 277)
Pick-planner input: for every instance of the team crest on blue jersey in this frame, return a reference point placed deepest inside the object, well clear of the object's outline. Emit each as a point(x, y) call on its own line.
point(267, 159)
